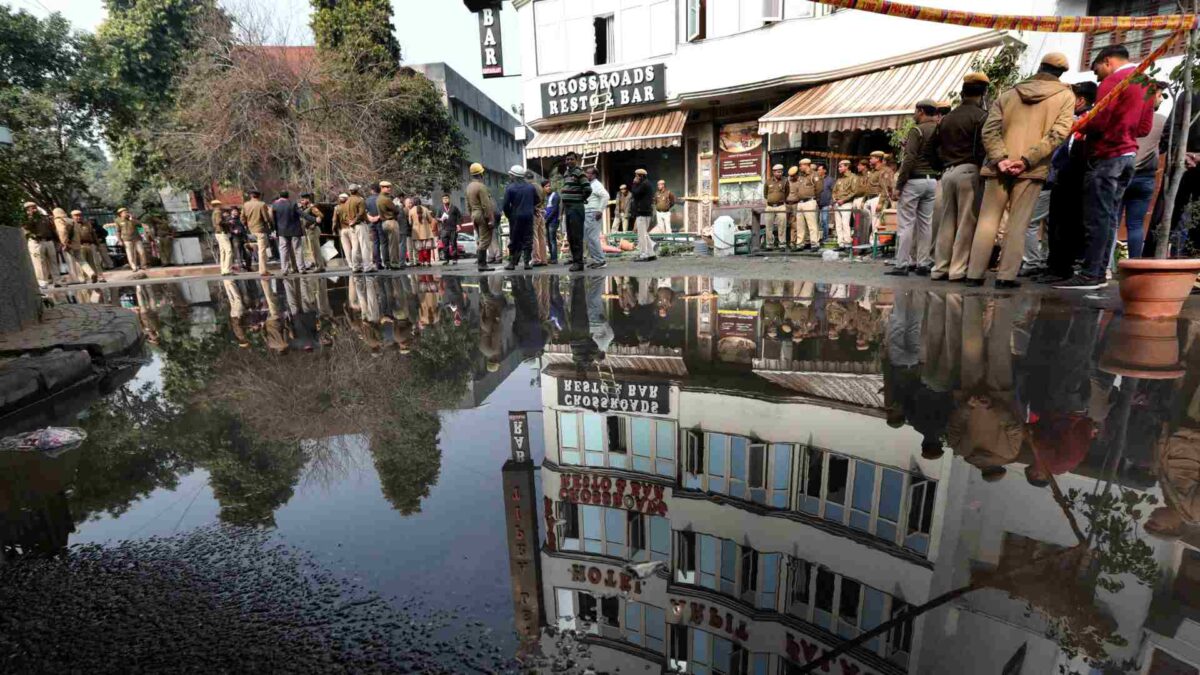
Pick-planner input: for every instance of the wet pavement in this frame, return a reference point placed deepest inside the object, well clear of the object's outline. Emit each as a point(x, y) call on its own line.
point(421, 473)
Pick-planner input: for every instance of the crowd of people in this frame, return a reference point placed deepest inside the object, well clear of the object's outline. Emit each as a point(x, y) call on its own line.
point(1021, 187)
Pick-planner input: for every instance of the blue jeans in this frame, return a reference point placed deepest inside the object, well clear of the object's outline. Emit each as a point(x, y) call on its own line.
point(1103, 190)
point(552, 238)
point(824, 223)
point(1136, 204)
point(592, 224)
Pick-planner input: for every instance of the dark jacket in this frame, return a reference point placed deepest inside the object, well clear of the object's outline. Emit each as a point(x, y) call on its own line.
point(287, 218)
point(916, 158)
point(959, 138)
point(373, 205)
point(826, 196)
point(448, 220)
point(520, 200)
point(643, 199)
point(552, 204)
point(576, 188)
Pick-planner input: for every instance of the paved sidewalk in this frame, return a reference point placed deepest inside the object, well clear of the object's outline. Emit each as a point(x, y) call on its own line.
point(100, 330)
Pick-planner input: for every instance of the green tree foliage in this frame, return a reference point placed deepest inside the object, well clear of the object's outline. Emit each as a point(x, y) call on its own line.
point(132, 70)
point(359, 31)
point(42, 102)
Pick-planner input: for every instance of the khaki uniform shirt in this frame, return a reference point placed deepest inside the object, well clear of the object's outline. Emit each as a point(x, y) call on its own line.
point(257, 216)
point(802, 188)
point(624, 202)
point(776, 191)
point(387, 208)
point(663, 200)
point(218, 222)
point(479, 200)
point(65, 230)
point(86, 235)
point(845, 188)
point(339, 217)
point(127, 230)
point(875, 182)
point(356, 210)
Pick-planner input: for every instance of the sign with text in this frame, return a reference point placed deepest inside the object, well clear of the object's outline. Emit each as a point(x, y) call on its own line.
point(491, 48)
point(518, 433)
point(627, 87)
point(741, 156)
point(520, 518)
point(653, 398)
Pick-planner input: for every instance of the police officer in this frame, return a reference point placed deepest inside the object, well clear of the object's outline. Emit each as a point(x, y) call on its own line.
point(775, 216)
point(385, 206)
point(310, 219)
point(356, 217)
point(257, 216)
point(804, 190)
point(164, 238)
point(127, 232)
point(89, 255)
point(845, 190)
point(483, 210)
point(39, 239)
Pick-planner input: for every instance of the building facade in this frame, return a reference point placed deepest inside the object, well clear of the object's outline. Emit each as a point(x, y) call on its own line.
point(487, 126)
point(708, 95)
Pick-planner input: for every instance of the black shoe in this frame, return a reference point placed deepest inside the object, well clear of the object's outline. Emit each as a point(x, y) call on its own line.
point(528, 265)
point(575, 267)
point(510, 266)
point(973, 283)
point(1005, 283)
point(1032, 272)
point(1081, 283)
point(897, 272)
point(960, 280)
point(598, 265)
point(1051, 278)
point(921, 271)
point(646, 259)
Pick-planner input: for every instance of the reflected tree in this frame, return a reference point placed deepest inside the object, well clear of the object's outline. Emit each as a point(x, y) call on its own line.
point(408, 459)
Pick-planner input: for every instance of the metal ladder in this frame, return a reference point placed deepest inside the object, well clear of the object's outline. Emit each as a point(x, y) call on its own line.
point(597, 118)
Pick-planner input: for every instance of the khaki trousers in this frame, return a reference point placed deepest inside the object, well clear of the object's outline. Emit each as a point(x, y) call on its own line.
point(224, 252)
point(44, 261)
point(90, 256)
point(645, 243)
point(662, 222)
point(365, 247)
point(955, 216)
point(102, 251)
point(74, 273)
point(874, 208)
point(312, 242)
point(350, 248)
point(1017, 196)
point(775, 222)
point(392, 228)
point(539, 237)
point(483, 232)
point(135, 252)
point(842, 217)
point(166, 250)
point(263, 243)
point(808, 224)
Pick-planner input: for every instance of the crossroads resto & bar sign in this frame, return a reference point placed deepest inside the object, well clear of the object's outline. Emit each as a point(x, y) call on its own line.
point(628, 86)
point(651, 398)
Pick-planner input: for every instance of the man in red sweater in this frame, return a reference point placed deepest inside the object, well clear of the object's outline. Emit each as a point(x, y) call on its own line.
point(1112, 138)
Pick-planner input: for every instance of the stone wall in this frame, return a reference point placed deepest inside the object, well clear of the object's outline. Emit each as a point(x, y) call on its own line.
point(20, 301)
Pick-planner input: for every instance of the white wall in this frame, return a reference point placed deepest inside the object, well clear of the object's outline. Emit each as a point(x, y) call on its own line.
point(738, 49)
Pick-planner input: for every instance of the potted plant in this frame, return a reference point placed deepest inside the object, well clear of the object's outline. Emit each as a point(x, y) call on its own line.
point(1156, 287)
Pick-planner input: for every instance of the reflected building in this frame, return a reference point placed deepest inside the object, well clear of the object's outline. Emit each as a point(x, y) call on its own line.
point(752, 477)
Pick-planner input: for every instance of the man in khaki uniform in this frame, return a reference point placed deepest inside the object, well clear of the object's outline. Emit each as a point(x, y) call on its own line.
point(356, 217)
point(482, 210)
point(1024, 127)
point(68, 243)
point(89, 255)
point(958, 145)
point(876, 187)
point(310, 220)
point(389, 214)
point(539, 222)
point(39, 239)
point(257, 216)
point(664, 201)
point(775, 216)
point(221, 234)
point(806, 233)
point(622, 221)
point(164, 237)
point(127, 232)
point(345, 234)
point(845, 189)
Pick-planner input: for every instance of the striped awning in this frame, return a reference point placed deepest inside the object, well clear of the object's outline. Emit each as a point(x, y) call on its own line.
point(854, 389)
point(639, 132)
point(879, 100)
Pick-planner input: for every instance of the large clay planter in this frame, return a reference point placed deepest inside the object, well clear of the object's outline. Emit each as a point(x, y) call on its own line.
point(1143, 348)
point(1156, 289)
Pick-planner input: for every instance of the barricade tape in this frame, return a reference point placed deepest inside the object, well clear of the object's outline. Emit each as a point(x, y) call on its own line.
point(1041, 24)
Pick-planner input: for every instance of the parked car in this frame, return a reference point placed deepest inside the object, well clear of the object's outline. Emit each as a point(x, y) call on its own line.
point(466, 244)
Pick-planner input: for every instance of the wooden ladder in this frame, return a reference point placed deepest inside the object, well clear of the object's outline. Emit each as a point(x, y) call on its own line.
point(597, 118)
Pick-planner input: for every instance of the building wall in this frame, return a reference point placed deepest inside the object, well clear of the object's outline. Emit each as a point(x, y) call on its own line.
point(21, 304)
point(487, 126)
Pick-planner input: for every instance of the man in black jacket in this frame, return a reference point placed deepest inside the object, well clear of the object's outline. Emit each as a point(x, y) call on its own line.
point(287, 228)
point(449, 216)
point(575, 191)
point(643, 210)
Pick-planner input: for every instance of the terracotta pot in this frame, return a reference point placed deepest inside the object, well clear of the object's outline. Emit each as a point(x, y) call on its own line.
point(1143, 348)
point(1156, 289)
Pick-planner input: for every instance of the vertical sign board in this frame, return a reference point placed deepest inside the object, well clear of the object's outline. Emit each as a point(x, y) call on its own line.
point(520, 517)
point(518, 433)
point(490, 46)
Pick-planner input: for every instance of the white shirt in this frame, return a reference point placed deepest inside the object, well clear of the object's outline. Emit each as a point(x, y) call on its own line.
point(599, 199)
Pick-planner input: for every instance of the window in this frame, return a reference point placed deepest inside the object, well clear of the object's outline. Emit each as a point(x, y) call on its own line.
point(607, 441)
point(695, 19)
point(646, 625)
point(685, 562)
point(900, 636)
point(772, 11)
point(836, 603)
point(920, 515)
point(606, 40)
point(722, 565)
point(694, 460)
point(580, 610)
point(835, 487)
point(613, 532)
point(695, 651)
point(1140, 43)
point(740, 468)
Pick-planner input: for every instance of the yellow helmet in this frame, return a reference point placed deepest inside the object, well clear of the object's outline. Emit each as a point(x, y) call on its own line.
point(476, 169)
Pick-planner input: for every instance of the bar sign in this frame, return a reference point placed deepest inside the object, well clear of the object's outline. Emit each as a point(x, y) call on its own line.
point(518, 431)
point(490, 46)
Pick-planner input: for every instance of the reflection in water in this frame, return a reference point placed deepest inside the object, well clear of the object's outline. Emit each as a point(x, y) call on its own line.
point(737, 476)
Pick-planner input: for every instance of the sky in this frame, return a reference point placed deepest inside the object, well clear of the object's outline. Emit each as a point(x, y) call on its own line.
point(428, 30)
